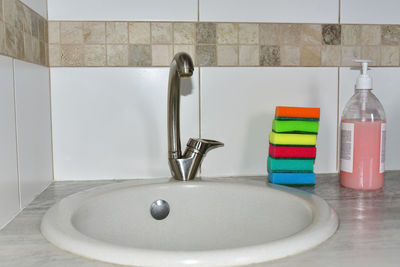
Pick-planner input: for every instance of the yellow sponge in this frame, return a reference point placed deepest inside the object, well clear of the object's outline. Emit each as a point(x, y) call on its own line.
point(292, 139)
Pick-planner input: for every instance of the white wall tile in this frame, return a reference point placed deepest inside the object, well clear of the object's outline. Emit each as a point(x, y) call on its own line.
point(370, 12)
point(40, 6)
point(171, 10)
point(9, 198)
point(386, 84)
point(238, 106)
point(298, 11)
point(112, 122)
point(32, 94)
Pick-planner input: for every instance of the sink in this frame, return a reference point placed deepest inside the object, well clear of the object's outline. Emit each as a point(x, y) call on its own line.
point(213, 222)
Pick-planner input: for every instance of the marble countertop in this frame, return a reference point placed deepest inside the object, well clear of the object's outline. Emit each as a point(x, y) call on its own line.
point(368, 235)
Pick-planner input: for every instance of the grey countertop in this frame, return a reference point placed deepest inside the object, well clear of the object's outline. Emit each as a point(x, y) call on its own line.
point(368, 235)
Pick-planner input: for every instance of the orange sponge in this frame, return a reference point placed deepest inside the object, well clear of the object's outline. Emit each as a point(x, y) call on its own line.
point(297, 112)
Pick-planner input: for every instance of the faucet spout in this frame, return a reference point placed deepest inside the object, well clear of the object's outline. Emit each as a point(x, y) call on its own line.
point(183, 166)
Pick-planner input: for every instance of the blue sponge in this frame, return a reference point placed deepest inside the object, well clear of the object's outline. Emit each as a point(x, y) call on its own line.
point(291, 178)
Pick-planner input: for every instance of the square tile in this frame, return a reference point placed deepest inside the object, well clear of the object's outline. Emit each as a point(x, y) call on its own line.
point(311, 34)
point(71, 32)
point(330, 55)
point(95, 55)
point(249, 55)
point(139, 32)
point(248, 33)
point(206, 55)
point(54, 32)
point(161, 55)
point(184, 33)
point(290, 55)
point(94, 32)
point(161, 33)
point(72, 55)
point(351, 34)
point(331, 34)
point(54, 55)
point(189, 49)
point(390, 56)
point(269, 34)
point(117, 55)
point(373, 53)
point(116, 32)
point(227, 55)
point(206, 33)
point(310, 56)
point(140, 55)
point(227, 33)
point(290, 34)
point(270, 56)
point(391, 34)
point(349, 53)
point(371, 34)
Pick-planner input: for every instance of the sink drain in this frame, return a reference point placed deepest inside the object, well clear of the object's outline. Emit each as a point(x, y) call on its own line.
point(159, 209)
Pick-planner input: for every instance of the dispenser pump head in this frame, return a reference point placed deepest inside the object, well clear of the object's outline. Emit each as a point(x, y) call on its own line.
point(364, 81)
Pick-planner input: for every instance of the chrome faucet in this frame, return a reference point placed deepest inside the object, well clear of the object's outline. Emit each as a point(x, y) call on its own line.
point(183, 167)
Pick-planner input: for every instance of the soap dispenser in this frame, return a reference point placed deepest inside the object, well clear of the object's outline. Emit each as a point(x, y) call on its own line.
point(362, 137)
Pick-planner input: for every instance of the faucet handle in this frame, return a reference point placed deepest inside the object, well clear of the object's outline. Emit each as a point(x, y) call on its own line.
point(202, 146)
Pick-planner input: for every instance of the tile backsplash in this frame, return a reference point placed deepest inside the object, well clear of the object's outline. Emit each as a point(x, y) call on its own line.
point(145, 44)
point(23, 33)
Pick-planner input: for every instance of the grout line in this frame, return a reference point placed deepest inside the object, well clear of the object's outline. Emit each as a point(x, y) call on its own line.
point(338, 120)
point(339, 11)
point(51, 127)
point(16, 136)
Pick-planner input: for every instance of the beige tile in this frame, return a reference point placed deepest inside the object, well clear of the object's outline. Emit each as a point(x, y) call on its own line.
point(370, 34)
point(351, 34)
point(270, 55)
point(290, 34)
point(161, 33)
point(269, 34)
point(94, 32)
point(249, 55)
point(373, 53)
point(20, 20)
point(184, 33)
point(331, 34)
point(2, 38)
point(248, 33)
point(20, 44)
point(10, 40)
point(10, 13)
point(42, 49)
point(28, 53)
point(71, 55)
point(290, 55)
point(95, 55)
point(54, 32)
point(139, 32)
point(310, 56)
point(206, 33)
point(390, 56)
point(117, 55)
point(1, 11)
point(161, 55)
point(349, 53)
point(330, 55)
point(36, 49)
point(23, 18)
point(227, 55)
point(71, 32)
point(140, 55)
point(391, 34)
point(189, 49)
point(54, 55)
point(35, 24)
point(227, 33)
point(206, 55)
point(116, 32)
point(46, 31)
point(311, 34)
point(27, 19)
point(41, 28)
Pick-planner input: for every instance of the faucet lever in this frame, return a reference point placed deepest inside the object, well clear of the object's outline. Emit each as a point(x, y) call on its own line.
point(201, 146)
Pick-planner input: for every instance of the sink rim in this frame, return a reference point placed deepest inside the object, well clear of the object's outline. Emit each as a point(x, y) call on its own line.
point(58, 229)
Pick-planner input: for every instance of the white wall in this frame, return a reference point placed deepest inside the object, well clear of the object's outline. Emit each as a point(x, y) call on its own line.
point(99, 113)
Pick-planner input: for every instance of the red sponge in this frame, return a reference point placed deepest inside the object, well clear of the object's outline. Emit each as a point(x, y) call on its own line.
point(292, 151)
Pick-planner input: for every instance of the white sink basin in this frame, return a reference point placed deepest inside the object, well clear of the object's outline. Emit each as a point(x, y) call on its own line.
point(211, 223)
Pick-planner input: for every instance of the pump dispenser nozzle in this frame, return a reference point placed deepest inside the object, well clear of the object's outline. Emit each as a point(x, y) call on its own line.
point(364, 81)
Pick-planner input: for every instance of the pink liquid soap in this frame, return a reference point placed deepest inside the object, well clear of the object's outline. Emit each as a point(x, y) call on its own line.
point(367, 171)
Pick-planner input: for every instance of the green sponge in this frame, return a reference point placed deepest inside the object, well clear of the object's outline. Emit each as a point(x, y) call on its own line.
point(296, 126)
point(290, 165)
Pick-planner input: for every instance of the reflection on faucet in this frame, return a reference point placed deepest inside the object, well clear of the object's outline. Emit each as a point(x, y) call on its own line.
point(183, 167)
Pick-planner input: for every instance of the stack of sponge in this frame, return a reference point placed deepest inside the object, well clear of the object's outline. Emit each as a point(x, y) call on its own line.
point(292, 144)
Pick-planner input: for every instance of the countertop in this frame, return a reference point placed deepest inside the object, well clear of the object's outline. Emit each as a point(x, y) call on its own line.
point(368, 235)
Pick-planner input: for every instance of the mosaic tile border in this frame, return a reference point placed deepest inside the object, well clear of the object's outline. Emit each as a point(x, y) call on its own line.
point(23, 33)
point(143, 44)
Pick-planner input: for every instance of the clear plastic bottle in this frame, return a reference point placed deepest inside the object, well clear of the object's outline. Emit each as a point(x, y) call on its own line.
point(363, 137)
